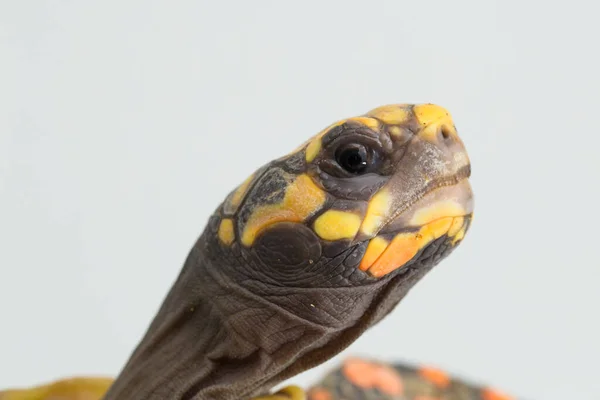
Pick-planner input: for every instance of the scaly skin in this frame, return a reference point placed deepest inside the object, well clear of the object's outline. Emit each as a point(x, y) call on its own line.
point(299, 260)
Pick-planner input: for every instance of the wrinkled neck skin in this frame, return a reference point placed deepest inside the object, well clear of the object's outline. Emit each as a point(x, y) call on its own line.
point(221, 334)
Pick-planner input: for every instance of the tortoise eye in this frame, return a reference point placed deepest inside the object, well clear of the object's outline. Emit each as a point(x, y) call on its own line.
point(353, 158)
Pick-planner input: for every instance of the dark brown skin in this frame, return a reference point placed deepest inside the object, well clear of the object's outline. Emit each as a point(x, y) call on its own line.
point(273, 287)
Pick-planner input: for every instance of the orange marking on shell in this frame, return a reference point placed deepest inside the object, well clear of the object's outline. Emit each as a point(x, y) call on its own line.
point(358, 372)
point(389, 381)
point(368, 375)
point(319, 394)
point(493, 394)
point(435, 376)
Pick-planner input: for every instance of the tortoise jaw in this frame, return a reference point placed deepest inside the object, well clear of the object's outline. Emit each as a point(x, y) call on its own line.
point(427, 197)
point(447, 200)
point(445, 211)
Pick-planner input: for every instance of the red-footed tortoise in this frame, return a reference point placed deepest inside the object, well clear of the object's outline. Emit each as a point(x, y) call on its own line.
point(298, 261)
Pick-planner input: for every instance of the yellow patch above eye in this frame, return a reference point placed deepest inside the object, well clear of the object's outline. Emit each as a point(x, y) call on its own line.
point(226, 233)
point(391, 114)
point(302, 198)
point(336, 225)
point(370, 122)
point(313, 149)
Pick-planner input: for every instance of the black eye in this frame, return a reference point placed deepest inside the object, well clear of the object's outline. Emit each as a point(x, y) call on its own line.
point(353, 158)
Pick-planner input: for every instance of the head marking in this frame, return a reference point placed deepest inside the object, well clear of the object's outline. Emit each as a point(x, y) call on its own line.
point(428, 113)
point(315, 144)
point(441, 209)
point(412, 189)
point(226, 233)
point(302, 198)
point(377, 211)
point(234, 200)
point(375, 249)
point(391, 114)
point(313, 148)
point(336, 225)
point(382, 257)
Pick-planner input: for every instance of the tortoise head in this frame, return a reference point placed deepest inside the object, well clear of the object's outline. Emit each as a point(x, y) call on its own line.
point(367, 198)
point(306, 254)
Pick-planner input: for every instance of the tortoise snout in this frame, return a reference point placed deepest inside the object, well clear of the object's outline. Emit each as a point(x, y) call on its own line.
point(437, 128)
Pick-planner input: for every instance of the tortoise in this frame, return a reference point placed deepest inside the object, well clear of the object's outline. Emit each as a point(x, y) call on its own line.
point(298, 261)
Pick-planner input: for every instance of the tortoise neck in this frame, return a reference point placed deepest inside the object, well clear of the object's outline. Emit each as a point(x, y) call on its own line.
point(209, 340)
point(217, 337)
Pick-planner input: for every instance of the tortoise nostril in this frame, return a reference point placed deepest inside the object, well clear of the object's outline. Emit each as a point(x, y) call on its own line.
point(445, 131)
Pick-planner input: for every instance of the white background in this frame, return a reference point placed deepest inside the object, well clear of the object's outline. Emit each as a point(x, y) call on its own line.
point(123, 125)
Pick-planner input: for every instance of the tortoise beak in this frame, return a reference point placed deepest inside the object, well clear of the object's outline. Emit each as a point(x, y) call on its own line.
point(444, 212)
point(427, 197)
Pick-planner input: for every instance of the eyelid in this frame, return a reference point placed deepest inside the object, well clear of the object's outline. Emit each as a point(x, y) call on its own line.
point(331, 167)
point(350, 133)
point(369, 142)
